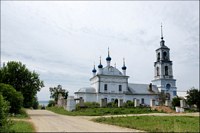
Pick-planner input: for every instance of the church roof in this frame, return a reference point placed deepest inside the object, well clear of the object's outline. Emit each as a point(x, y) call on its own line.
point(87, 89)
point(110, 70)
point(142, 89)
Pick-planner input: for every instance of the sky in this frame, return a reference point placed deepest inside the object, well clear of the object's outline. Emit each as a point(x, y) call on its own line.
point(62, 40)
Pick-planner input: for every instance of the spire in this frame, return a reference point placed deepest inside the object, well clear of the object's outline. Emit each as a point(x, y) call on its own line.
point(162, 42)
point(108, 58)
point(161, 32)
point(94, 70)
point(100, 65)
point(124, 66)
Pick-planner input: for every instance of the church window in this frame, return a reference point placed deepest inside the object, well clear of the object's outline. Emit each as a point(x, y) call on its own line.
point(105, 87)
point(120, 87)
point(158, 56)
point(142, 102)
point(174, 93)
point(157, 69)
point(166, 70)
point(165, 55)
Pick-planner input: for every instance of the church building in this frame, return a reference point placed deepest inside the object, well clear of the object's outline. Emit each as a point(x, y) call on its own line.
point(110, 84)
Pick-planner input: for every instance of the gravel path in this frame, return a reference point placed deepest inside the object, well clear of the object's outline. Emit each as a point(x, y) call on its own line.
point(46, 121)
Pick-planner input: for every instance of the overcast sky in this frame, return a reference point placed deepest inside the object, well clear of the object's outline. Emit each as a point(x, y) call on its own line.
point(62, 40)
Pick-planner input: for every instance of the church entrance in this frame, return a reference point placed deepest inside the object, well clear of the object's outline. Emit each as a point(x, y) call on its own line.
point(116, 101)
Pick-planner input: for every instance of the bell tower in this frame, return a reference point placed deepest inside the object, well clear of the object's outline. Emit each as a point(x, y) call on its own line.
point(163, 72)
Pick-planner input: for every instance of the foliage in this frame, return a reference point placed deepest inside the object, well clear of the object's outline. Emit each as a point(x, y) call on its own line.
point(162, 98)
point(51, 103)
point(22, 79)
point(35, 103)
point(129, 104)
point(21, 115)
point(88, 105)
point(22, 126)
point(101, 111)
point(155, 123)
point(55, 91)
point(193, 97)
point(4, 121)
point(176, 101)
point(15, 98)
point(112, 105)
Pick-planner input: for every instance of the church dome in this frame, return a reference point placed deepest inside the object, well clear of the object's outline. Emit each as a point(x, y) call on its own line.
point(108, 58)
point(94, 70)
point(100, 66)
point(124, 68)
point(110, 70)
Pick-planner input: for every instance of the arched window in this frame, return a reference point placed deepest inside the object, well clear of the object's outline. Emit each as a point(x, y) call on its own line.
point(165, 55)
point(158, 57)
point(157, 71)
point(166, 70)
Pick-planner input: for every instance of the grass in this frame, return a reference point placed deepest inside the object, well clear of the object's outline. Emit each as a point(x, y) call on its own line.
point(101, 111)
point(155, 123)
point(21, 126)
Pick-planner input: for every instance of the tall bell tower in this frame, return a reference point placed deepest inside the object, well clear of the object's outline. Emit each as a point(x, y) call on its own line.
point(163, 72)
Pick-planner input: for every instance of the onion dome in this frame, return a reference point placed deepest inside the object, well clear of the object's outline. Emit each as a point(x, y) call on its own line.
point(100, 65)
point(94, 70)
point(124, 67)
point(108, 58)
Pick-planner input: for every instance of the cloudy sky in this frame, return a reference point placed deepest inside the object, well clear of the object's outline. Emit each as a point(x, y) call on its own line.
point(62, 40)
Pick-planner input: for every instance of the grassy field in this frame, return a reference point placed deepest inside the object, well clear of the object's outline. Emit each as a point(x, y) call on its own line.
point(101, 111)
point(155, 123)
point(21, 126)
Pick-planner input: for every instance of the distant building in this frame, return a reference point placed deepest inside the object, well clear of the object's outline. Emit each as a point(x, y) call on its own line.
point(110, 84)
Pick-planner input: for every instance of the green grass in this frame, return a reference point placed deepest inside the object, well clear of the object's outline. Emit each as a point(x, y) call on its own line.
point(21, 126)
point(155, 123)
point(101, 111)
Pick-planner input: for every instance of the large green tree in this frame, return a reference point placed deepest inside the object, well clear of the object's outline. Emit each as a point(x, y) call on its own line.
point(22, 79)
point(55, 91)
point(14, 97)
point(193, 97)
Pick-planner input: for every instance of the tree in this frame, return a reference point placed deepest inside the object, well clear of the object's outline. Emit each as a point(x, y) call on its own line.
point(22, 79)
point(176, 101)
point(12, 96)
point(55, 91)
point(162, 98)
point(193, 97)
point(4, 108)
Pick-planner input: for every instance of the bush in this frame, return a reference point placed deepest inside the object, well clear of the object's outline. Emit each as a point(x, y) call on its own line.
point(12, 96)
point(88, 105)
point(4, 108)
point(51, 103)
point(129, 104)
point(112, 104)
point(176, 101)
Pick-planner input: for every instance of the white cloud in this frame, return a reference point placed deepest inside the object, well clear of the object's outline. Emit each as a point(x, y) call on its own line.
point(61, 40)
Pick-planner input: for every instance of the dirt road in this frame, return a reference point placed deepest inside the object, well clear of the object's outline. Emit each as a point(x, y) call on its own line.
point(46, 121)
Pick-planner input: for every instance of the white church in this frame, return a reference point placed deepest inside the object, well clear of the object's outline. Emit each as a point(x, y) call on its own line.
point(109, 84)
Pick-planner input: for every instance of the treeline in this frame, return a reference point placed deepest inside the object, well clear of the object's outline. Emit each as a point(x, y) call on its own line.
point(18, 88)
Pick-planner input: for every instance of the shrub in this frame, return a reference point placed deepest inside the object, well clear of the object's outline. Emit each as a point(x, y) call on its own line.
point(112, 104)
point(129, 104)
point(88, 105)
point(12, 96)
point(176, 101)
point(4, 108)
point(51, 103)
